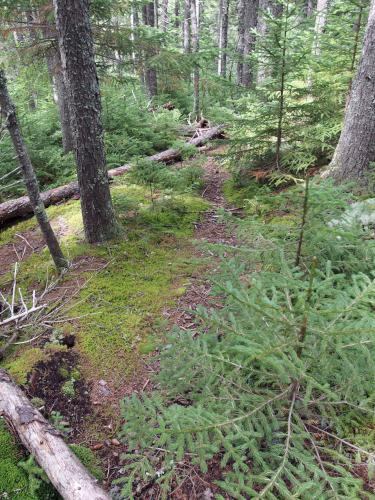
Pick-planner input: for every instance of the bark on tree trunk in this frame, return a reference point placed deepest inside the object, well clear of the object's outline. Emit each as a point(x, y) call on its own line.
point(187, 27)
point(56, 73)
point(247, 21)
point(20, 207)
point(77, 55)
point(223, 37)
point(164, 15)
point(320, 22)
point(150, 73)
point(356, 147)
point(63, 468)
point(9, 113)
point(177, 14)
point(195, 21)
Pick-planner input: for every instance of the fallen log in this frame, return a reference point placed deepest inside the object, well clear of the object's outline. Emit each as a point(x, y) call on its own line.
point(20, 207)
point(65, 471)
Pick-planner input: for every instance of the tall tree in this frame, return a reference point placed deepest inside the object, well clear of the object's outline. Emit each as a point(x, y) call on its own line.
point(164, 15)
point(247, 21)
point(151, 79)
point(77, 54)
point(195, 23)
point(223, 37)
point(186, 26)
point(9, 112)
point(320, 22)
point(54, 65)
point(356, 147)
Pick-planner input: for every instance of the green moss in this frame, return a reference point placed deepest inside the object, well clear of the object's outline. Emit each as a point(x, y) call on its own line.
point(68, 388)
point(14, 480)
point(23, 362)
point(119, 304)
point(239, 195)
point(89, 460)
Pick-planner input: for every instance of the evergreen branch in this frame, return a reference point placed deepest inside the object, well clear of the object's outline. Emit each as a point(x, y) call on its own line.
point(270, 485)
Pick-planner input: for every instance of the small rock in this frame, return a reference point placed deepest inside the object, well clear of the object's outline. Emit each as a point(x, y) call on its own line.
point(97, 446)
point(104, 390)
point(102, 383)
point(115, 442)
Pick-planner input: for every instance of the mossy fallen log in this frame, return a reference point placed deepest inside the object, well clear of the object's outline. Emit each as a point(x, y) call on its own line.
point(20, 207)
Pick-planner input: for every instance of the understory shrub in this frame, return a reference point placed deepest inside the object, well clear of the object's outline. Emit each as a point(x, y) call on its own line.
point(280, 376)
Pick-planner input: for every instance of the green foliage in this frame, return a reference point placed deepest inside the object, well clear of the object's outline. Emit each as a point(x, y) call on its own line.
point(302, 97)
point(20, 479)
point(278, 376)
point(89, 460)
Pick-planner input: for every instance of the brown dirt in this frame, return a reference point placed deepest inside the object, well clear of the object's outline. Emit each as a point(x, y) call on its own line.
point(46, 381)
point(22, 246)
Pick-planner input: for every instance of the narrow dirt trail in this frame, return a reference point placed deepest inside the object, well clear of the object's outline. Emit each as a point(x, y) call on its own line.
point(210, 229)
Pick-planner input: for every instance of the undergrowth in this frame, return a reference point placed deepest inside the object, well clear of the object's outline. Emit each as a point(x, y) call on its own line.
point(280, 379)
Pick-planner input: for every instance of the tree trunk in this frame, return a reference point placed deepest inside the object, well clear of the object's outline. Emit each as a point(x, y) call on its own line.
point(150, 73)
point(223, 37)
point(77, 55)
point(247, 21)
point(177, 14)
point(164, 15)
point(45, 443)
point(56, 73)
point(9, 113)
point(20, 207)
point(356, 147)
point(195, 14)
point(320, 22)
point(187, 26)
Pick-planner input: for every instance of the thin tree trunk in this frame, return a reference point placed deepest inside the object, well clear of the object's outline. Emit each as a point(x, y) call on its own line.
point(187, 27)
point(195, 13)
point(77, 54)
point(356, 147)
point(63, 468)
point(320, 22)
point(62, 99)
point(164, 15)
point(282, 92)
point(9, 113)
point(223, 37)
point(150, 73)
point(275, 9)
point(177, 10)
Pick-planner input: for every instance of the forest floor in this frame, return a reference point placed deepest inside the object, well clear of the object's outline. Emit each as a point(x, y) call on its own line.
point(96, 342)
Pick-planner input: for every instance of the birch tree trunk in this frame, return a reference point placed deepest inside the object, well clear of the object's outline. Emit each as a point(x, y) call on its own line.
point(223, 37)
point(356, 147)
point(320, 22)
point(77, 55)
point(9, 112)
point(195, 14)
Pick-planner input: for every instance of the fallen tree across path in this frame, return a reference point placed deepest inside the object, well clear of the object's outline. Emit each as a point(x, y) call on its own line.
point(20, 207)
point(65, 471)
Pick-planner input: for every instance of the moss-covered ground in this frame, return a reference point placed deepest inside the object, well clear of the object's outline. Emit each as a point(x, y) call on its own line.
point(116, 311)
